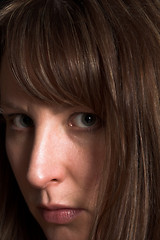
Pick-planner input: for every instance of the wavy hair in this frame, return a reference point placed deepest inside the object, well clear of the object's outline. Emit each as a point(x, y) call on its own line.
point(104, 54)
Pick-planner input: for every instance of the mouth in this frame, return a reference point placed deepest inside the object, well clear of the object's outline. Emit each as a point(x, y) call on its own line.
point(59, 214)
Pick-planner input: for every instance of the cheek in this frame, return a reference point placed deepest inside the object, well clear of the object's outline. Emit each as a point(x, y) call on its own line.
point(18, 150)
point(86, 162)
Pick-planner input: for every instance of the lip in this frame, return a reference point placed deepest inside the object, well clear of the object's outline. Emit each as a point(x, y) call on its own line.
point(59, 214)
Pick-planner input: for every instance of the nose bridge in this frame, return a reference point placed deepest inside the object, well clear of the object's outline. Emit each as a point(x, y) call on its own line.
point(44, 165)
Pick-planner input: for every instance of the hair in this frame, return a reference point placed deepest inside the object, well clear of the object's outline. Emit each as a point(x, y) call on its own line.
point(104, 54)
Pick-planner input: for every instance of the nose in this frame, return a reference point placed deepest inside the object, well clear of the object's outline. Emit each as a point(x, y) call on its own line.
point(46, 162)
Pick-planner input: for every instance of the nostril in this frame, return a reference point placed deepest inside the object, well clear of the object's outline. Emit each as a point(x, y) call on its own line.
point(54, 180)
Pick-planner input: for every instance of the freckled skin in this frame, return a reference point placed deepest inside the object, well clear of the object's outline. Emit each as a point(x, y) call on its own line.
point(54, 162)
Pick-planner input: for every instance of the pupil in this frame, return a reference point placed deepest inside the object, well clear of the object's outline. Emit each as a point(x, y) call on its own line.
point(89, 119)
point(26, 121)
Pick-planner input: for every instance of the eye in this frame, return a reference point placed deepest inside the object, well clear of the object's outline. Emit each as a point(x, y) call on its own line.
point(20, 121)
point(84, 121)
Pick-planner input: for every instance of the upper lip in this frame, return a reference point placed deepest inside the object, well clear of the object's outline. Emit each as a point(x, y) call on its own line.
point(55, 207)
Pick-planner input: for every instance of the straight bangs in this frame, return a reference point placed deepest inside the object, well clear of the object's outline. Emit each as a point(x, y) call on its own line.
point(54, 53)
point(104, 55)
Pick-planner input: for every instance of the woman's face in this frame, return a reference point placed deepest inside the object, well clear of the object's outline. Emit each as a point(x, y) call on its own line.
point(55, 153)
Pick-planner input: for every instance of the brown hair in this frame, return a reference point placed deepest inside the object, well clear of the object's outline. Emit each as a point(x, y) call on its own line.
point(104, 54)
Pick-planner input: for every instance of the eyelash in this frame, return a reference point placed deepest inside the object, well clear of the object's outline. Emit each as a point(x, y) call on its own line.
point(75, 121)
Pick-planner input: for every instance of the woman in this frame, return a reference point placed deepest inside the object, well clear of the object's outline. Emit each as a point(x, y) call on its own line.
point(79, 95)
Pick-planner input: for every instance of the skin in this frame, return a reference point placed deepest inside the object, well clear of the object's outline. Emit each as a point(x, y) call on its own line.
point(54, 157)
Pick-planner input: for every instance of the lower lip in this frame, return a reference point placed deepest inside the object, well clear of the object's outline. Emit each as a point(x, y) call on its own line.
point(60, 216)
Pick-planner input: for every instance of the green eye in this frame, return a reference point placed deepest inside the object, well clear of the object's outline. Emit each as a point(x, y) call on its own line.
point(84, 120)
point(21, 121)
point(87, 119)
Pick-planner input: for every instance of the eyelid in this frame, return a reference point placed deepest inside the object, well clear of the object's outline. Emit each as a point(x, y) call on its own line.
point(9, 116)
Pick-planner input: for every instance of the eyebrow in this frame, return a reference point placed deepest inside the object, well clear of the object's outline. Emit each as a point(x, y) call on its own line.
point(9, 105)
